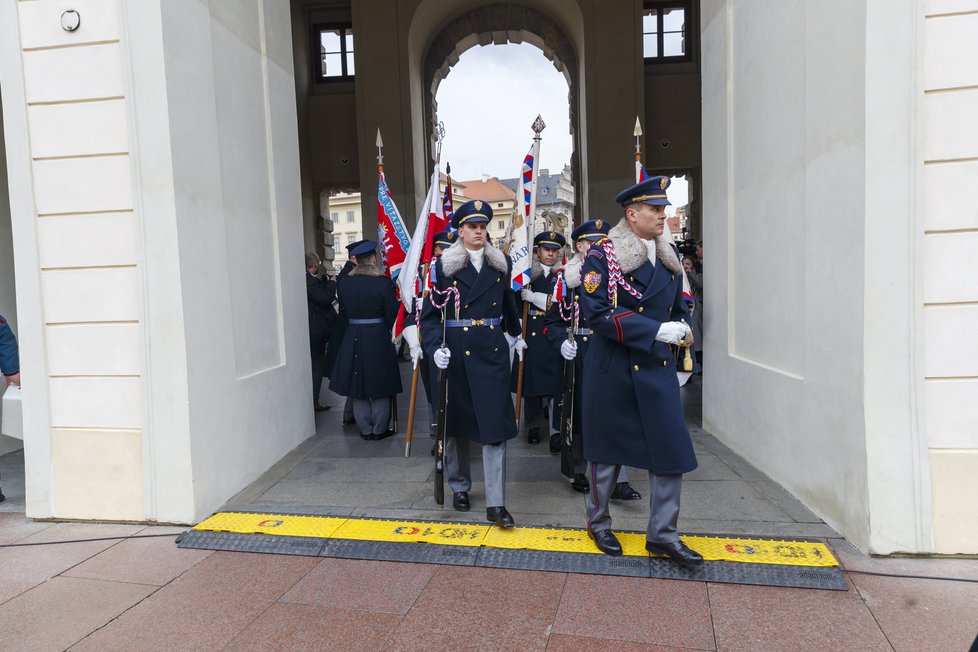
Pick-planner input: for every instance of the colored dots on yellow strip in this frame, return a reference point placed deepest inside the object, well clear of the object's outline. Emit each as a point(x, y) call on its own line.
point(454, 534)
point(281, 524)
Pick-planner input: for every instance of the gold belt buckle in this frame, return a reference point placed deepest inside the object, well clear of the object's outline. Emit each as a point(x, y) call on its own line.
point(478, 322)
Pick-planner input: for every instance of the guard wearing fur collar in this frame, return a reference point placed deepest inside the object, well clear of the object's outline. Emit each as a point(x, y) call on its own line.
point(633, 301)
point(541, 369)
point(482, 325)
point(559, 318)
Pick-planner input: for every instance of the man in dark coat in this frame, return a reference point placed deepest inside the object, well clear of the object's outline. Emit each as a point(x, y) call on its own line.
point(541, 369)
point(559, 318)
point(320, 293)
point(633, 413)
point(9, 363)
point(366, 362)
point(472, 282)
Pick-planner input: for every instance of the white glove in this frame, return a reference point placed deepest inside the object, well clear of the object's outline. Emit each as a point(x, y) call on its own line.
point(671, 332)
point(442, 357)
point(516, 342)
point(538, 299)
point(411, 337)
point(688, 337)
point(568, 349)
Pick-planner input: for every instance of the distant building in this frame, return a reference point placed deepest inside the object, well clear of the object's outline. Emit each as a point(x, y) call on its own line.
point(555, 201)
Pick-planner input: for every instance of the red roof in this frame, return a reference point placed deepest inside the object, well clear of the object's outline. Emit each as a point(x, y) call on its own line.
point(489, 190)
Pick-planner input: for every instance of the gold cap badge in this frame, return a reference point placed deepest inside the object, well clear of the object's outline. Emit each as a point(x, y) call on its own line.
point(597, 223)
point(664, 183)
point(478, 205)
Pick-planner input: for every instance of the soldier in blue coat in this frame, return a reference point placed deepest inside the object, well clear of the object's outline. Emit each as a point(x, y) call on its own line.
point(366, 362)
point(9, 362)
point(633, 413)
point(559, 318)
point(542, 368)
point(481, 327)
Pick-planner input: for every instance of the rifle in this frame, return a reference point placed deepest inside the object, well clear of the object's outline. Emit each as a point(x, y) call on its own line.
point(442, 424)
point(567, 406)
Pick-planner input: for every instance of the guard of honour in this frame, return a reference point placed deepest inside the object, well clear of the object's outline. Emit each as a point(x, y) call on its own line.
point(609, 315)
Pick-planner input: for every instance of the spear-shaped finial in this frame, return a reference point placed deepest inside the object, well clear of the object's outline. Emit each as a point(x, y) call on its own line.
point(380, 148)
point(637, 133)
point(538, 125)
point(448, 169)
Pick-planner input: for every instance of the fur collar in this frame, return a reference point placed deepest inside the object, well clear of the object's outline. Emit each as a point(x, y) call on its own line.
point(632, 253)
point(456, 257)
point(365, 270)
point(572, 271)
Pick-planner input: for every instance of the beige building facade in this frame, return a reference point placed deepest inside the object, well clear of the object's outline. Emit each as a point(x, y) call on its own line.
point(164, 164)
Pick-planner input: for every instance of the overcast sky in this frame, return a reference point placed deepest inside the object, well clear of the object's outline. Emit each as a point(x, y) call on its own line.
point(488, 102)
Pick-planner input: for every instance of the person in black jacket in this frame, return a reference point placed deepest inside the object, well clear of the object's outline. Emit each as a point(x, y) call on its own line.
point(9, 362)
point(366, 362)
point(339, 328)
point(320, 293)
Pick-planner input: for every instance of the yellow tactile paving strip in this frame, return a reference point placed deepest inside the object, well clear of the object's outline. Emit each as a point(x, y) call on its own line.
point(752, 551)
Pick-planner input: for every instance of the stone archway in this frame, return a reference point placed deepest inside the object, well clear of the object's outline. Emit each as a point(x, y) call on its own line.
point(498, 25)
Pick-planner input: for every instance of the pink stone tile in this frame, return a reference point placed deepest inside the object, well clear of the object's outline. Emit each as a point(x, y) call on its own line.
point(14, 526)
point(24, 567)
point(922, 614)
point(566, 643)
point(63, 610)
point(368, 585)
point(485, 608)
point(759, 618)
point(155, 560)
point(290, 627)
point(655, 612)
point(206, 606)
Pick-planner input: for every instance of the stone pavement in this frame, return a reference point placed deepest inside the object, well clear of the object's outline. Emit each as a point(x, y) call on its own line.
point(338, 473)
point(139, 591)
point(145, 593)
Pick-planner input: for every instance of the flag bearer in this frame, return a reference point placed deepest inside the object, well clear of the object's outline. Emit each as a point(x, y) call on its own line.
point(472, 281)
point(542, 367)
point(632, 412)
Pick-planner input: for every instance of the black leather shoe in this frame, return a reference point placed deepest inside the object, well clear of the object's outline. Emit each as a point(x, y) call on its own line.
point(606, 541)
point(554, 443)
point(384, 435)
point(676, 551)
point(367, 437)
point(2, 497)
point(460, 501)
point(348, 423)
point(533, 436)
point(580, 483)
point(500, 517)
point(624, 491)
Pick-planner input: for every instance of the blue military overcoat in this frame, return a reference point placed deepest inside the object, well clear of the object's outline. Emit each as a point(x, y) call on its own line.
point(542, 366)
point(632, 409)
point(480, 407)
point(366, 362)
point(555, 332)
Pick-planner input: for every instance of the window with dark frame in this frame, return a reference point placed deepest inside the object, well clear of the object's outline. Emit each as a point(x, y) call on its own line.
point(335, 52)
point(664, 37)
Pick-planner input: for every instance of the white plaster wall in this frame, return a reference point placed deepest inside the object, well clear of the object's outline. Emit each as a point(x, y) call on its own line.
point(231, 120)
point(950, 250)
point(784, 191)
point(69, 160)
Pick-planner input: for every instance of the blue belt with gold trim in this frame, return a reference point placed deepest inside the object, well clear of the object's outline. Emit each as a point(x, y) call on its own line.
point(460, 323)
point(364, 322)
